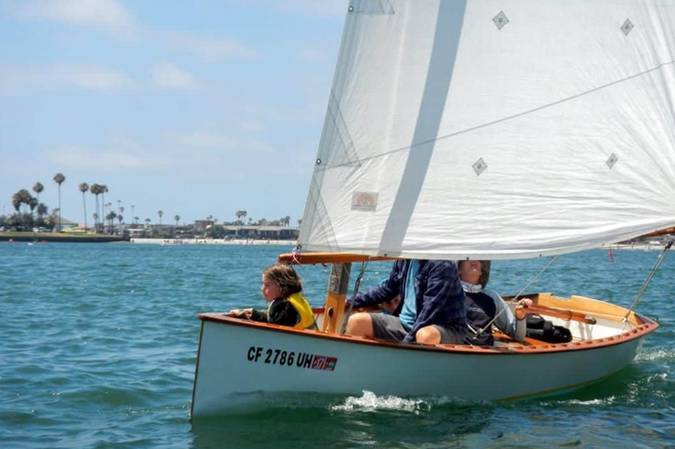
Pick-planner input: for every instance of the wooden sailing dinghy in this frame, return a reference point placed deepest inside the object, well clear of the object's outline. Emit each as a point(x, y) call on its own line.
point(472, 129)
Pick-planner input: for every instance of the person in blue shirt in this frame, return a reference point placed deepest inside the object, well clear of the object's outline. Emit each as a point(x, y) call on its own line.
point(432, 308)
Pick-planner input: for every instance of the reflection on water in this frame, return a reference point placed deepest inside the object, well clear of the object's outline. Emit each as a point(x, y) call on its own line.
point(338, 422)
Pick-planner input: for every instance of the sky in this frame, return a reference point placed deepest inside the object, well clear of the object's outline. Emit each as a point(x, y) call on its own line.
point(195, 108)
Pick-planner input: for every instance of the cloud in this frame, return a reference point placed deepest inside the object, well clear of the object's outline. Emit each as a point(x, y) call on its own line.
point(321, 8)
point(14, 78)
point(74, 157)
point(168, 75)
point(201, 139)
point(89, 77)
point(188, 143)
point(212, 48)
point(97, 13)
point(251, 126)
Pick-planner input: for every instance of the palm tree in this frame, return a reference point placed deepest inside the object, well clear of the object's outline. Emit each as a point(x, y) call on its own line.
point(16, 201)
point(120, 218)
point(160, 213)
point(84, 187)
point(59, 179)
point(106, 207)
point(33, 203)
point(177, 219)
point(241, 213)
point(104, 190)
point(95, 190)
point(147, 222)
point(41, 210)
point(21, 197)
point(38, 188)
point(135, 220)
point(111, 218)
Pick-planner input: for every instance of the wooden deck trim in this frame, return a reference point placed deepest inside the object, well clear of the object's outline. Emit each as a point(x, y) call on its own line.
point(580, 306)
point(326, 258)
point(515, 348)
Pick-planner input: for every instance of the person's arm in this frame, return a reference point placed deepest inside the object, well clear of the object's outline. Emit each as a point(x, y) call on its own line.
point(505, 321)
point(258, 315)
point(384, 292)
point(282, 312)
point(443, 291)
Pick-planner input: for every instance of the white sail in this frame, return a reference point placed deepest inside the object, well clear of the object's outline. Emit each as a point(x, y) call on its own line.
point(496, 129)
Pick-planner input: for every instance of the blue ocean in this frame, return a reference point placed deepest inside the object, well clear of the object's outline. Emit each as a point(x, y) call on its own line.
point(98, 344)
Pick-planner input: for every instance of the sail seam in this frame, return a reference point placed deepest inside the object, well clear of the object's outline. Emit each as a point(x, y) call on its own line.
point(510, 117)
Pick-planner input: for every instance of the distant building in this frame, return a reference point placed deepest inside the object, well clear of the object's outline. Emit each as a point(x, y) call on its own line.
point(261, 232)
point(203, 225)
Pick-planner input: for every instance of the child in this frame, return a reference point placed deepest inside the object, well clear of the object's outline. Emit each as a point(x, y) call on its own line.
point(282, 288)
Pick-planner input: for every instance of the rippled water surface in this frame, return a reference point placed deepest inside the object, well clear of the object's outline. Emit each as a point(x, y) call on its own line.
point(98, 345)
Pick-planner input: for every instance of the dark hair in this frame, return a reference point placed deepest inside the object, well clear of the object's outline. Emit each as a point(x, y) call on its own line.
point(484, 271)
point(285, 277)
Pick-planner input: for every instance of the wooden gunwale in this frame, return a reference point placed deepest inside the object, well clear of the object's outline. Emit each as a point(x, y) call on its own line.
point(515, 348)
point(325, 258)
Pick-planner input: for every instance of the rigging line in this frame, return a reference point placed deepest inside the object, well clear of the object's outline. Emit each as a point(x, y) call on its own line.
point(509, 117)
point(357, 285)
point(648, 279)
point(532, 279)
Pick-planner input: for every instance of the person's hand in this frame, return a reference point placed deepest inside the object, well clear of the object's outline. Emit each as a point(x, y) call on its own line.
point(236, 313)
point(525, 302)
point(391, 305)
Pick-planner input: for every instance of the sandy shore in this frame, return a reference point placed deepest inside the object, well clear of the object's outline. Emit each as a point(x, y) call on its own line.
point(212, 242)
point(637, 246)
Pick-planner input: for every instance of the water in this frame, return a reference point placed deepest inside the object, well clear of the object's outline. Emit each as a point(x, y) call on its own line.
point(98, 345)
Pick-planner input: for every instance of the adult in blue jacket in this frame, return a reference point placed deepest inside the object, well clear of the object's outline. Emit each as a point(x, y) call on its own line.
point(432, 308)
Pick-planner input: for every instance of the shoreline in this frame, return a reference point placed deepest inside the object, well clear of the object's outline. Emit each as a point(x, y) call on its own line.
point(636, 246)
point(202, 241)
point(55, 237)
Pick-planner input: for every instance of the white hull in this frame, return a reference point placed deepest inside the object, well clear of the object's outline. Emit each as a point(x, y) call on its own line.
point(238, 358)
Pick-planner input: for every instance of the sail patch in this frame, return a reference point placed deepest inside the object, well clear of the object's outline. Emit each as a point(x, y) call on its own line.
point(500, 20)
point(479, 166)
point(364, 201)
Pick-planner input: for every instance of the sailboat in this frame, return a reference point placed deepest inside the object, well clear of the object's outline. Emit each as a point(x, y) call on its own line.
point(474, 129)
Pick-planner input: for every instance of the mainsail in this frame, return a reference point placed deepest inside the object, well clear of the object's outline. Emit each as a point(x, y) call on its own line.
point(488, 129)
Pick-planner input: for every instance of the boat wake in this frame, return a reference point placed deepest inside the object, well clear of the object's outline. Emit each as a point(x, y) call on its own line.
point(581, 402)
point(659, 354)
point(370, 402)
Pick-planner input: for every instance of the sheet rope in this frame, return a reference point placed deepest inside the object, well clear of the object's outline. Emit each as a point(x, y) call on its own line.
point(515, 299)
point(648, 280)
